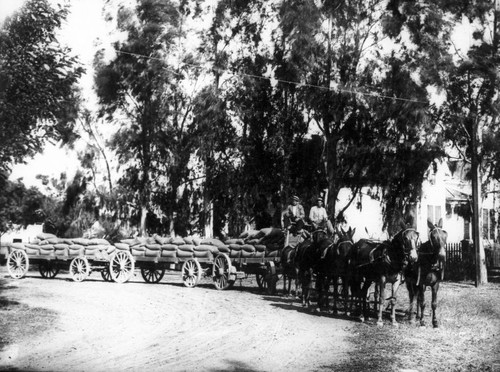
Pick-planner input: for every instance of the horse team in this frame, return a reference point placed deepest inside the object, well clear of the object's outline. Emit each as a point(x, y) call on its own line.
point(353, 267)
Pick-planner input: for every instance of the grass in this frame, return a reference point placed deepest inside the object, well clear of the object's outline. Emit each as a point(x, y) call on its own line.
point(468, 338)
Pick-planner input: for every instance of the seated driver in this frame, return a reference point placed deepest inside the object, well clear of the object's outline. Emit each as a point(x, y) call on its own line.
point(319, 218)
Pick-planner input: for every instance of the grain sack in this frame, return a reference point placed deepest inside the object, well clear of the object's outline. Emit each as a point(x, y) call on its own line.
point(153, 247)
point(80, 241)
point(151, 252)
point(260, 254)
point(177, 241)
point(162, 240)
point(235, 241)
point(45, 236)
point(223, 248)
point(202, 254)
point(260, 247)
point(76, 250)
point(246, 254)
point(186, 248)
point(122, 246)
point(47, 249)
point(53, 240)
point(249, 234)
point(196, 240)
point(32, 249)
point(184, 254)
point(204, 248)
point(248, 248)
point(98, 241)
point(253, 241)
point(188, 240)
point(169, 247)
point(18, 246)
point(235, 247)
point(137, 251)
point(165, 253)
point(235, 253)
point(61, 252)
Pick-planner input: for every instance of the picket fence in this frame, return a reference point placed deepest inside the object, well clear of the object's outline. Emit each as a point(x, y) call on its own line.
point(460, 261)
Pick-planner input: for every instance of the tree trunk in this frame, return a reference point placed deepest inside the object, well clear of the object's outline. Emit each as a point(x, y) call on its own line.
point(331, 172)
point(481, 272)
point(144, 213)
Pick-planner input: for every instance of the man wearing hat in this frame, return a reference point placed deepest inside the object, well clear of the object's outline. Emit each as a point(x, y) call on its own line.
point(294, 212)
point(319, 218)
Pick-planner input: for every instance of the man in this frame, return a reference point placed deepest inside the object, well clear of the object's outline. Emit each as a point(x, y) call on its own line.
point(319, 218)
point(294, 212)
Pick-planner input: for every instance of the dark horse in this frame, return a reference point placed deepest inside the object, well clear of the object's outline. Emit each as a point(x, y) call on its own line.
point(332, 266)
point(428, 271)
point(306, 257)
point(295, 236)
point(381, 263)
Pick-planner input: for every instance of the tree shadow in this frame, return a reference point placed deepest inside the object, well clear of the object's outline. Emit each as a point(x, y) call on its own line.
point(235, 366)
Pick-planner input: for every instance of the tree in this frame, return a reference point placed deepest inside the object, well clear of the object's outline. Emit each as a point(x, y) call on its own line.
point(38, 98)
point(142, 87)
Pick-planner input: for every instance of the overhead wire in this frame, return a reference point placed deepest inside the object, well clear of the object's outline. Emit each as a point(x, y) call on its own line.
point(299, 84)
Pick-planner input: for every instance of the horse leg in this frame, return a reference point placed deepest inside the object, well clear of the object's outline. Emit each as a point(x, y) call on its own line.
point(395, 287)
point(410, 285)
point(363, 292)
point(381, 297)
point(434, 289)
point(421, 302)
point(345, 294)
point(335, 294)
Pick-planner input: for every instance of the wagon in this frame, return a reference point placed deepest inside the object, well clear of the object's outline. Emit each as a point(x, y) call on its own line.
point(52, 254)
point(196, 258)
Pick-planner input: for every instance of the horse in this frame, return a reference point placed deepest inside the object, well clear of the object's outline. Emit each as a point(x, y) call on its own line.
point(381, 263)
point(428, 271)
point(306, 258)
point(290, 270)
point(332, 266)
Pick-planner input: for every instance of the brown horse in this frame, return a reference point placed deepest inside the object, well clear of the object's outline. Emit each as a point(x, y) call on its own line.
point(428, 271)
point(332, 266)
point(290, 270)
point(381, 263)
point(306, 259)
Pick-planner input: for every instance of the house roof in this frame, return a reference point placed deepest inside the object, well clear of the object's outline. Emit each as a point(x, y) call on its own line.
point(453, 194)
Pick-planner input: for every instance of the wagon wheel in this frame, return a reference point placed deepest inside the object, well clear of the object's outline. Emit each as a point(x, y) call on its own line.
point(152, 274)
point(121, 266)
point(191, 273)
point(221, 270)
point(106, 275)
point(271, 277)
point(17, 263)
point(79, 269)
point(47, 269)
point(261, 280)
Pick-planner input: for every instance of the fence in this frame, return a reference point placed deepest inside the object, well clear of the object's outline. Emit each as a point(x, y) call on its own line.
point(460, 261)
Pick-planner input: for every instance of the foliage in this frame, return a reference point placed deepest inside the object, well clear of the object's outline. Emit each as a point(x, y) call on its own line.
point(38, 98)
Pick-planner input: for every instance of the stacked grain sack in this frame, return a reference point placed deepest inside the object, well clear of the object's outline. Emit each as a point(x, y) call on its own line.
point(173, 247)
point(50, 245)
point(266, 242)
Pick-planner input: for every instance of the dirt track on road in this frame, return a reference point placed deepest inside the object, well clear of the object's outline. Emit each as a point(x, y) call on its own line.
point(101, 326)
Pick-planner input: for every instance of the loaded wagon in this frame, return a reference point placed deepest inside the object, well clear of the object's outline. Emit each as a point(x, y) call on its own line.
point(195, 257)
point(79, 256)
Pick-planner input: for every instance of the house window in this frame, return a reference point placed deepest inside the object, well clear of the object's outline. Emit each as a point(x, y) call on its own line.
point(488, 224)
point(434, 213)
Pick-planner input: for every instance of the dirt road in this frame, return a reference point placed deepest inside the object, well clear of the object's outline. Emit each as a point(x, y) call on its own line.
point(99, 326)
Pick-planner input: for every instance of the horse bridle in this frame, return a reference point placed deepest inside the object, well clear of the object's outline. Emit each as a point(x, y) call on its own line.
point(431, 242)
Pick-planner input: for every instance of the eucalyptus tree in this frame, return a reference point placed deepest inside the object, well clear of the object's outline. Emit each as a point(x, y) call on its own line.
point(364, 85)
point(38, 76)
point(143, 89)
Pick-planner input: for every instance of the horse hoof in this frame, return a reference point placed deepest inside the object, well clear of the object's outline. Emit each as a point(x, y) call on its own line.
point(435, 324)
point(380, 324)
point(361, 319)
point(395, 324)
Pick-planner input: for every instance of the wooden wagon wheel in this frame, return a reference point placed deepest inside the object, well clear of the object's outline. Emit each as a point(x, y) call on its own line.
point(261, 282)
point(17, 263)
point(79, 269)
point(271, 277)
point(121, 266)
point(191, 273)
point(105, 274)
point(47, 269)
point(152, 274)
point(221, 269)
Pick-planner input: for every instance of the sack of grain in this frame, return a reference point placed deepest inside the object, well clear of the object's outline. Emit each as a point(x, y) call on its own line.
point(186, 247)
point(165, 253)
point(169, 247)
point(184, 254)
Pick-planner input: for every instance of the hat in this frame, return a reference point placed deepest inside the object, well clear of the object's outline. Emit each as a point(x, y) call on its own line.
point(319, 199)
point(295, 198)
